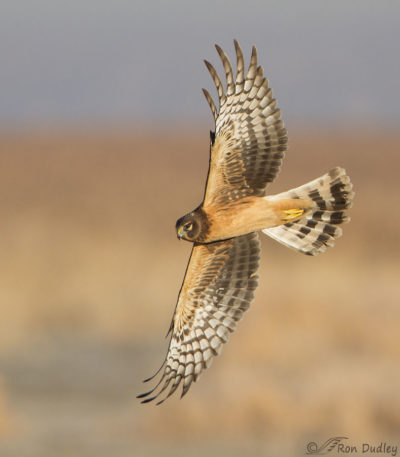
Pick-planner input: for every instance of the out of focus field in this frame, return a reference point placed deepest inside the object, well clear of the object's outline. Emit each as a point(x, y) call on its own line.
point(90, 268)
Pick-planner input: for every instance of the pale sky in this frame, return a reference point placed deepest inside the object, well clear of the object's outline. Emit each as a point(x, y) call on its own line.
point(105, 61)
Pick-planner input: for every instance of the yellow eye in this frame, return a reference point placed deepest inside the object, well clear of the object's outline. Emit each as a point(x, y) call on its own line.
point(188, 227)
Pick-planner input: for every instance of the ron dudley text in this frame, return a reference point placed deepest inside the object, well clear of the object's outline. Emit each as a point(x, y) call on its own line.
point(367, 448)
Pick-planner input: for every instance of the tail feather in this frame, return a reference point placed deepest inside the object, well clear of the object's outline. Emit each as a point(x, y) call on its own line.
point(332, 195)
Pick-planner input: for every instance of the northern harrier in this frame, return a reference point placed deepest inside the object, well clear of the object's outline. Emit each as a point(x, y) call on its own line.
point(246, 153)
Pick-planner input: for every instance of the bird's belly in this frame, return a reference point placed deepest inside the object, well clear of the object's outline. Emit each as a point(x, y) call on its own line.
point(244, 216)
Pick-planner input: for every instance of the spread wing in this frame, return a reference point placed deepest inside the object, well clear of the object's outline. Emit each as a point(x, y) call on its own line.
point(250, 139)
point(218, 287)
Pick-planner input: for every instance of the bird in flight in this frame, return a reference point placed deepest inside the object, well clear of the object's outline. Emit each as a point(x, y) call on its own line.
point(246, 152)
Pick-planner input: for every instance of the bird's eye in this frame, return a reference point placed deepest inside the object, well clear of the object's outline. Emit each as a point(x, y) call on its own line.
point(188, 227)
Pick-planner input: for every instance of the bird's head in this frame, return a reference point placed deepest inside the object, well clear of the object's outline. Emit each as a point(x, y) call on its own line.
point(191, 226)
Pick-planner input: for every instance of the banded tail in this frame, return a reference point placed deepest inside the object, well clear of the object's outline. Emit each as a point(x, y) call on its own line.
point(312, 234)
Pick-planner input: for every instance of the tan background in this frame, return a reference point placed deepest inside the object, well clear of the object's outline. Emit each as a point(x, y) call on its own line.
point(90, 268)
point(104, 144)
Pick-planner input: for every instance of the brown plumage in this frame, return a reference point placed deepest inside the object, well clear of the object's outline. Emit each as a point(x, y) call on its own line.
point(246, 153)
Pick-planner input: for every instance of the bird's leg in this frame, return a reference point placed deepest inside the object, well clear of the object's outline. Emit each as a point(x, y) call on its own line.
point(292, 209)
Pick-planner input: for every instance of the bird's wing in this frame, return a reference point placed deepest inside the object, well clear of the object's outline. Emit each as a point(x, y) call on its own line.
point(250, 139)
point(218, 287)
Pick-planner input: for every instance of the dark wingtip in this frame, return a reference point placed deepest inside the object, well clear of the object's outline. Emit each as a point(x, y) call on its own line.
point(219, 49)
point(212, 136)
point(254, 53)
point(143, 395)
point(154, 375)
point(237, 47)
point(185, 390)
point(148, 400)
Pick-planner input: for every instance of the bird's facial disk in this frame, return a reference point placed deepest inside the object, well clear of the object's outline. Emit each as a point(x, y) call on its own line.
point(187, 227)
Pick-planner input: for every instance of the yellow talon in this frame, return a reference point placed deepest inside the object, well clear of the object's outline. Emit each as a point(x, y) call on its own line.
point(291, 214)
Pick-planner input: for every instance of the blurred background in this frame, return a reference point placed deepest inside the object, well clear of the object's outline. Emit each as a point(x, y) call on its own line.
point(104, 144)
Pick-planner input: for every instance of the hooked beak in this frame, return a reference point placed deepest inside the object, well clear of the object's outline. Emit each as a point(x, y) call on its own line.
point(179, 233)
